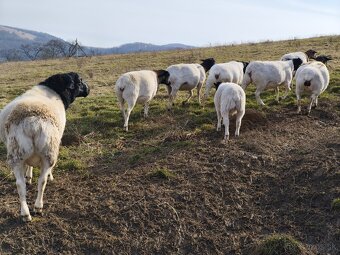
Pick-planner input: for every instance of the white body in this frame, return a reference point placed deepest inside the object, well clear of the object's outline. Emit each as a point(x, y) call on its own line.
point(135, 87)
point(31, 126)
point(317, 76)
point(225, 72)
point(299, 54)
point(268, 74)
point(185, 77)
point(229, 99)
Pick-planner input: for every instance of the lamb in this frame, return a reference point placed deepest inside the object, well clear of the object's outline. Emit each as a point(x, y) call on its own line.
point(187, 77)
point(304, 56)
point(314, 77)
point(138, 87)
point(229, 99)
point(31, 126)
point(225, 72)
point(266, 74)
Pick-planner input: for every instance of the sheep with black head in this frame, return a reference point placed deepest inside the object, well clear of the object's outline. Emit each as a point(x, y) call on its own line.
point(187, 77)
point(31, 126)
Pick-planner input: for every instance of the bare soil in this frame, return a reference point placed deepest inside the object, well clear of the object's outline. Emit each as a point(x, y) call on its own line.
point(279, 176)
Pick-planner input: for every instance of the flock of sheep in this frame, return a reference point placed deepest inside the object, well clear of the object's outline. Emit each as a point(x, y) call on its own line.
point(141, 86)
point(32, 125)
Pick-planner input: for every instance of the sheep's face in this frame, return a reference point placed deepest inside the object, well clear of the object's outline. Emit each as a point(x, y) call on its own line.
point(163, 77)
point(245, 64)
point(296, 62)
point(68, 86)
point(311, 54)
point(217, 84)
point(207, 63)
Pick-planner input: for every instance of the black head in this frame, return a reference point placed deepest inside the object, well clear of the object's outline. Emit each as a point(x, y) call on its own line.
point(324, 59)
point(68, 86)
point(311, 54)
point(245, 64)
point(162, 77)
point(297, 63)
point(207, 63)
point(217, 84)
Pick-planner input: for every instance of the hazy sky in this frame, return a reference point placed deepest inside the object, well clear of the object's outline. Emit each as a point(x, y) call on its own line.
point(195, 22)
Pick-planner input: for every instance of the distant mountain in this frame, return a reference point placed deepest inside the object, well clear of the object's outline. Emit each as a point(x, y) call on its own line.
point(12, 40)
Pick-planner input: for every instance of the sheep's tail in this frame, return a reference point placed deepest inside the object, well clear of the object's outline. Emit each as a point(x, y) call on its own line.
point(121, 84)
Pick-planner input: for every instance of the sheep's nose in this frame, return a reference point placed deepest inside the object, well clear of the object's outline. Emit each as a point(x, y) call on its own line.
point(85, 90)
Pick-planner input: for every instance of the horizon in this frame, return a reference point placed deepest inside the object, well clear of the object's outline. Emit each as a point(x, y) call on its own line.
point(207, 24)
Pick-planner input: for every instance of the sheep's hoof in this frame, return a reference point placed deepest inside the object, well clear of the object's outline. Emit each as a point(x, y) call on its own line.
point(38, 211)
point(28, 180)
point(26, 218)
point(184, 103)
point(218, 129)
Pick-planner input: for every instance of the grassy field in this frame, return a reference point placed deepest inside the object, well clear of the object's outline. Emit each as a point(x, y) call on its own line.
point(169, 186)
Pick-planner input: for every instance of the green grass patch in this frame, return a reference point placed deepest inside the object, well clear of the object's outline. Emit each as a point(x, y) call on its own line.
point(336, 204)
point(162, 173)
point(278, 244)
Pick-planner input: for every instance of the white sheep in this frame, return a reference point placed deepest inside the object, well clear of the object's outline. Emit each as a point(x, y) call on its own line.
point(225, 72)
point(270, 74)
point(138, 87)
point(187, 77)
point(314, 77)
point(229, 99)
point(304, 56)
point(32, 125)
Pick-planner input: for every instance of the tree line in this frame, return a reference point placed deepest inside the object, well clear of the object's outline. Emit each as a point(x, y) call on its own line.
point(51, 49)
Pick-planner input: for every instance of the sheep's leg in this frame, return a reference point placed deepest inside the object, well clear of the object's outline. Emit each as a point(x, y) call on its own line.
point(257, 96)
point(29, 174)
point(219, 118)
point(191, 93)
point(127, 116)
point(199, 86)
point(277, 94)
point(298, 98)
point(316, 102)
point(146, 109)
point(19, 172)
point(239, 117)
point(225, 116)
point(286, 91)
point(312, 100)
point(172, 98)
point(42, 181)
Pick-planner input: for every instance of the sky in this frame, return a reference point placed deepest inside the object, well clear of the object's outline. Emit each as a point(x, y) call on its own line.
point(105, 23)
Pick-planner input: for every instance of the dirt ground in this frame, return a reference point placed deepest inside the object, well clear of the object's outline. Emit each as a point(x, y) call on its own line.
point(221, 198)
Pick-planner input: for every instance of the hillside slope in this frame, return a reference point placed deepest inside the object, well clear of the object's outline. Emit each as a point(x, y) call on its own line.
point(169, 186)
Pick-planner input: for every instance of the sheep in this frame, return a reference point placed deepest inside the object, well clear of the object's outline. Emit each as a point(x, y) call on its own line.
point(31, 126)
point(323, 58)
point(314, 77)
point(225, 72)
point(304, 56)
point(266, 74)
point(138, 87)
point(229, 98)
point(187, 77)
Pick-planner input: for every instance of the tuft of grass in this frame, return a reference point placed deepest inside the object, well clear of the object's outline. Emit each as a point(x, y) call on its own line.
point(162, 173)
point(336, 204)
point(71, 165)
point(279, 244)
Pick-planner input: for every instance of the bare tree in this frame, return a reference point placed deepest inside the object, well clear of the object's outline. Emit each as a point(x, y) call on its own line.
point(31, 51)
point(12, 55)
